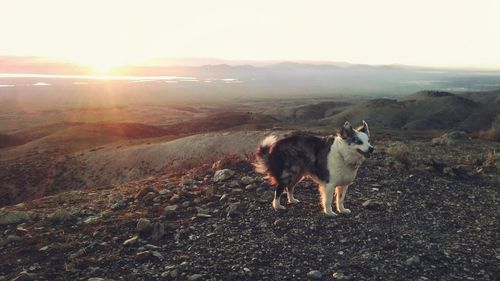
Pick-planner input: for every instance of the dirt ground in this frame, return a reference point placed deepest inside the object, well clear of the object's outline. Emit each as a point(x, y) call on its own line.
point(412, 219)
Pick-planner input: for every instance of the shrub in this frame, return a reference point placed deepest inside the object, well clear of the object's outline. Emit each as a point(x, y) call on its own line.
point(494, 132)
point(400, 152)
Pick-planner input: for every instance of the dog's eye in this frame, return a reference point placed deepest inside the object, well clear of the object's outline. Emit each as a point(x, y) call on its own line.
point(358, 141)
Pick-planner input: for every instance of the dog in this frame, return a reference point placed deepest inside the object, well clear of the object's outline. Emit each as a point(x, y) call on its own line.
point(332, 162)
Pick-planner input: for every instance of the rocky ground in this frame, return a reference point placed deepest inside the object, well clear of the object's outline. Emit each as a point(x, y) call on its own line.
point(420, 211)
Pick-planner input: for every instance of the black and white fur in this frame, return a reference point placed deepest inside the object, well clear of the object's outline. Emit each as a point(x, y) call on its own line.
point(332, 162)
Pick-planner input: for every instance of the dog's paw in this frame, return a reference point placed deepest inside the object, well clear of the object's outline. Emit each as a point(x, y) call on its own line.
point(293, 201)
point(345, 211)
point(330, 214)
point(277, 206)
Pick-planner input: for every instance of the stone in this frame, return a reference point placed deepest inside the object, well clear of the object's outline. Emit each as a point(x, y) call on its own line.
point(175, 198)
point(96, 279)
point(340, 276)
point(222, 175)
point(314, 275)
point(14, 217)
point(157, 255)
point(144, 226)
point(90, 220)
point(158, 231)
point(188, 182)
point(174, 273)
point(246, 180)
point(131, 241)
point(372, 204)
point(60, 216)
point(142, 256)
point(118, 205)
point(250, 187)
point(24, 276)
point(169, 210)
point(13, 238)
point(186, 204)
point(163, 191)
point(233, 210)
point(194, 277)
point(413, 261)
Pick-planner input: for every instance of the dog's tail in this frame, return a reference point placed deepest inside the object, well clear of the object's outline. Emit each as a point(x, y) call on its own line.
point(262, 155)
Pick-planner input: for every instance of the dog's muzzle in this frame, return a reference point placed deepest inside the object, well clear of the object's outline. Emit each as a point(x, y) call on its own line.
point(366, 154)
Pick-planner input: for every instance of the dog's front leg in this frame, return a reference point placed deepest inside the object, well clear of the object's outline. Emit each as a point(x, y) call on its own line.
point(340, 196)
point(327, 191)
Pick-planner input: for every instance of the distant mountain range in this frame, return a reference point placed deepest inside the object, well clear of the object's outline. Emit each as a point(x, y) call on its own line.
point(285, 78)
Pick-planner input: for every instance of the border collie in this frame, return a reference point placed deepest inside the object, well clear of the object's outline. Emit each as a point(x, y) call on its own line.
point(332, 162)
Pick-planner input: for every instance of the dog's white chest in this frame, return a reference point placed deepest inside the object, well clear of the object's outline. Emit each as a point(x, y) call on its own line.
point(341, 171)
point(342, 174)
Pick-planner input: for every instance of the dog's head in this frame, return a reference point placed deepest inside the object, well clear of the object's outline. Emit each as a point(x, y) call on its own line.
point(358, 139)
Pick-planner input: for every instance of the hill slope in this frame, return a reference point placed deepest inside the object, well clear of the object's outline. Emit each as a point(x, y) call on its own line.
point(419, 223)
point(427, 110)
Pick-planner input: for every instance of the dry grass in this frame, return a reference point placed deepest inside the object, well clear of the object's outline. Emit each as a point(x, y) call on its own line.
point(400, 152)
point(493, 133)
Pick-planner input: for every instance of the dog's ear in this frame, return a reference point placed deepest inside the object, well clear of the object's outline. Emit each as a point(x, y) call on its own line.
point(364, 128)
point(346, 132)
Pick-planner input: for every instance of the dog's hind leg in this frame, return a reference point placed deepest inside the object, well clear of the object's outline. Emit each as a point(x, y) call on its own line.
point(290, 188)
point(327, 191)
point(340, 196)
point(277, 194)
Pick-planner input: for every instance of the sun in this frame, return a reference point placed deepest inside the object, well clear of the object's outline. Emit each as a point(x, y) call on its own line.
point(103, 65)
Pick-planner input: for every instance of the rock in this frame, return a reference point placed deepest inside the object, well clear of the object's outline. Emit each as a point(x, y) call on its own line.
point(413, 261)
point(314, 275)
point(186, 204)
point(194, 277)
point(61, 216)
point(24, 276)
point(163, 191)
point(372, 204)
point(142, 256)
point(188, 182)
point(118, 205)
point(233, 210)
point(131, 241)
point(90, 219)
point(222, 175)
point(246, 180)
point(340, 276)
point(175, 198)
point(13, 238)
point(96, 279)
point(13, 217)
point(158, 231)
point(157, 255)
point(174, 273)
point(170, 210)
point(233, 184)
point(203, 215)
point(149, 196)
point(250, 187)
point(115, 197)
point(144, 226)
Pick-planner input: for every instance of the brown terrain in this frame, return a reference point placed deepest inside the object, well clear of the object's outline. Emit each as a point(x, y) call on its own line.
point(139, 191)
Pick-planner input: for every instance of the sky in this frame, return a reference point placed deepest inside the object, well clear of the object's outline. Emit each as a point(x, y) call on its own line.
point(439, 33)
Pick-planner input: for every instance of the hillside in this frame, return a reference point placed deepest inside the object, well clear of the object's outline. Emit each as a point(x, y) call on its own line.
point(416, 218)
point(427, 110)
point(53, 170)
